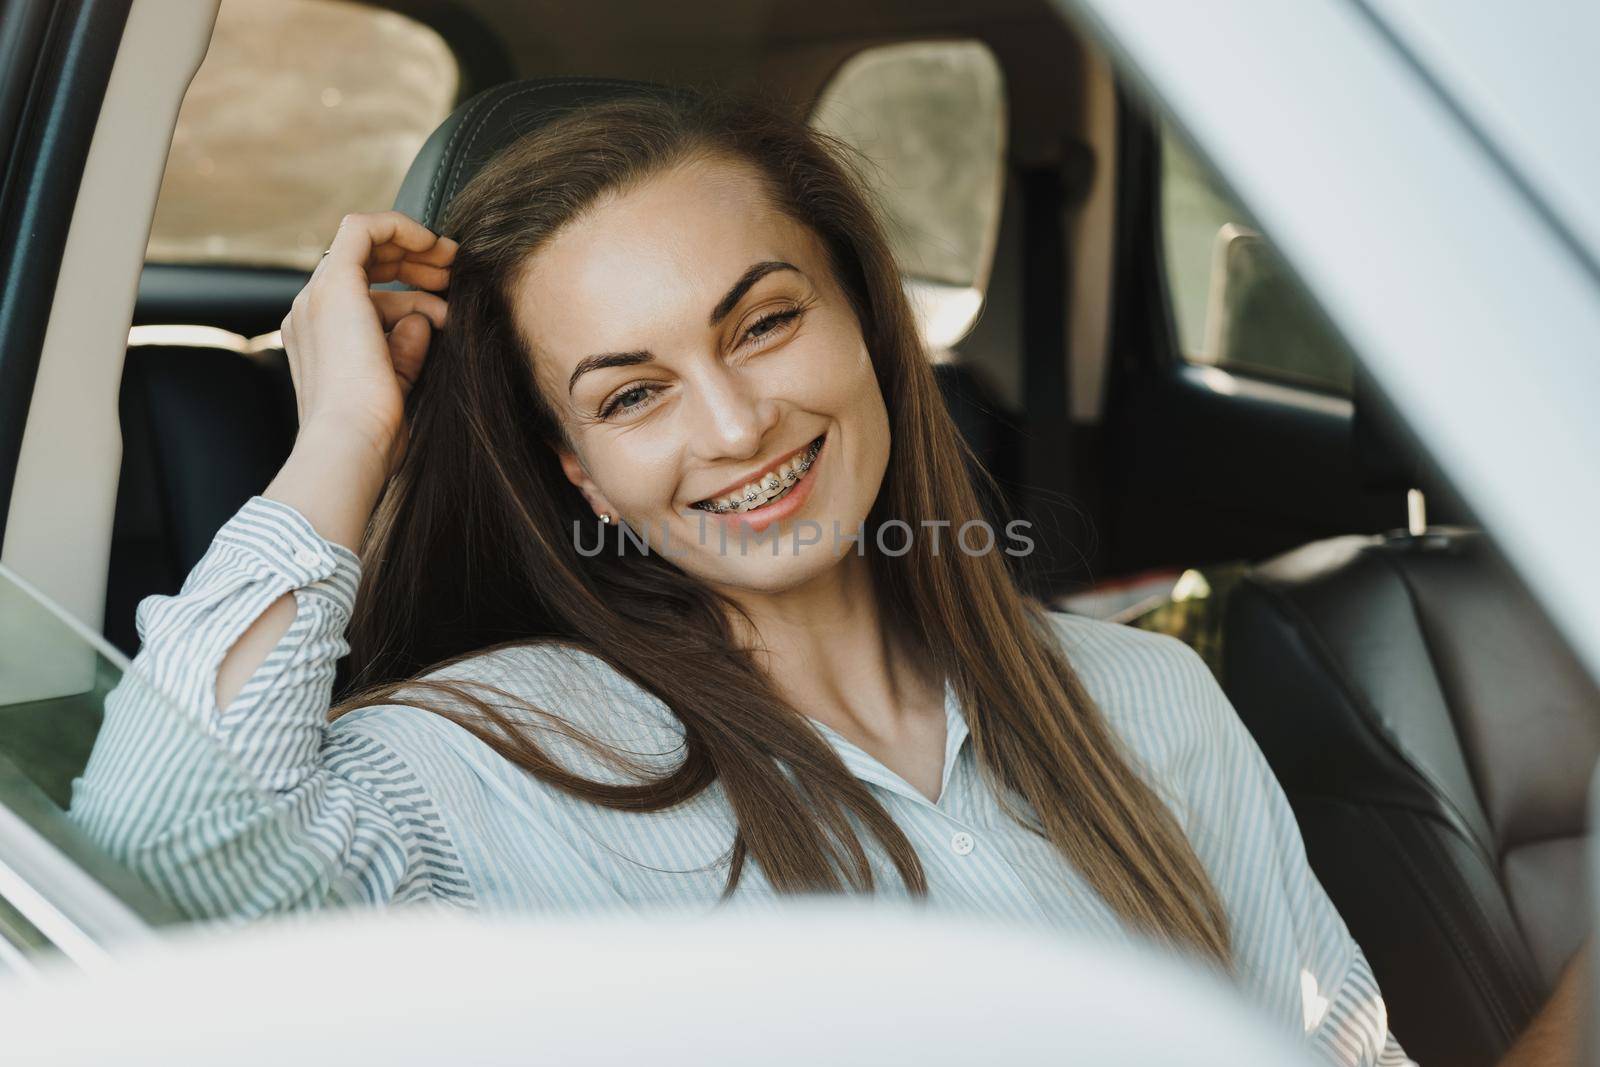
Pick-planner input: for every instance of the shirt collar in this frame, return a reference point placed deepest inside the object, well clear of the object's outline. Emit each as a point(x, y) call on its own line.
point(868, 769)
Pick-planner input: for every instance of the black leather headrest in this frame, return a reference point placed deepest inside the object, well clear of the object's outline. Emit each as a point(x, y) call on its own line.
point(490, 121)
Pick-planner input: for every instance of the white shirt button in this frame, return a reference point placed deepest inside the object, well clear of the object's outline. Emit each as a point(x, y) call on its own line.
point(307, 558)
point(961, 843)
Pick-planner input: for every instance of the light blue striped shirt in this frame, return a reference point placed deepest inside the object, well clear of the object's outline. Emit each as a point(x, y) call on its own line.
point(264, 806)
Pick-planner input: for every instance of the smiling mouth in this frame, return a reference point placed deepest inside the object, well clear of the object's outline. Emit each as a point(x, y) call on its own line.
point(769, 488)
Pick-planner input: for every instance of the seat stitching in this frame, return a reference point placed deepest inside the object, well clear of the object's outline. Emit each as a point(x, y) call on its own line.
point(1469, 958)
point(466, 153)
point(1530, 999)
point(1307, 632)
point(1498, 852)
point(1429, 643)
point(524, 91)
point(1482, 978)
point(438, 176)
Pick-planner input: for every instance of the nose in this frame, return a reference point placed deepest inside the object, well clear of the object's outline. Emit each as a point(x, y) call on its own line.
point(730, 414)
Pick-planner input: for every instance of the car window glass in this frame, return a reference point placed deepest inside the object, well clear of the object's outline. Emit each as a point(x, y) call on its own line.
point(1234, 302)
point(303, 110)
point(930, 120)
point(57, 683)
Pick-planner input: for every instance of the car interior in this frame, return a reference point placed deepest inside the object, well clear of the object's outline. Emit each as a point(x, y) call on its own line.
point(1196, 448)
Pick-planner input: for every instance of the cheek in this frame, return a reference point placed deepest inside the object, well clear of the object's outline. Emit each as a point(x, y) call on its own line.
point(855, 385)
point(846, 391)
point(634, 471)
point(832, 374)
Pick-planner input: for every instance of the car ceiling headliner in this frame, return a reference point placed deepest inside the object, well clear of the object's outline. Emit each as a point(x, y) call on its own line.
point(715, 21)
point(780, 47)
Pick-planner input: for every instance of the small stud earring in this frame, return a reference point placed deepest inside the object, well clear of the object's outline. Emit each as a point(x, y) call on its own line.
point(605, 518)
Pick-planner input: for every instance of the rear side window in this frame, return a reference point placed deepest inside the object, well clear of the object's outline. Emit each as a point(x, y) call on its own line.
point(1234, 302)
point(303, 110)
point(930, 117)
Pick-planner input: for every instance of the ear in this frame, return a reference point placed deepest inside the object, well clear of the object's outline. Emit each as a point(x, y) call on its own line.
point(573, 468)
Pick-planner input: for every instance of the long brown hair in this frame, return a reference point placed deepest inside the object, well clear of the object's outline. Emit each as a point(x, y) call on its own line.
point(470, 549)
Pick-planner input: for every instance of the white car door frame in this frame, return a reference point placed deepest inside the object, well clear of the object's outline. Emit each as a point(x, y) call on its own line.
point(118, 68)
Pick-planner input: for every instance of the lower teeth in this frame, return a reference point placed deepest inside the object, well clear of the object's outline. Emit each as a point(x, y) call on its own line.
point(774, 499)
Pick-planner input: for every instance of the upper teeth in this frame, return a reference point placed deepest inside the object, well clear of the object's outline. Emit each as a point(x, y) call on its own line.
point(774, 483)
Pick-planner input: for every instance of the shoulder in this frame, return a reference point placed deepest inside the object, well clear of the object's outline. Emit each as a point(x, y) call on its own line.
point(1114, 651)
point(1181, 730)
point(1166, 707)
point(1148, 684)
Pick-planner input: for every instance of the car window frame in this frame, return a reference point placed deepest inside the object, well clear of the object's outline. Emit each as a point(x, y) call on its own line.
point(1161, 134)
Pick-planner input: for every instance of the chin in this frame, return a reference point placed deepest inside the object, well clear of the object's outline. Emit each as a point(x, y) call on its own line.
point(759, 571)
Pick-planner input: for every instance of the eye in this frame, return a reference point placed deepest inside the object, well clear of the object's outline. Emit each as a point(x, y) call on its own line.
point(769, 325)
point(635, 397)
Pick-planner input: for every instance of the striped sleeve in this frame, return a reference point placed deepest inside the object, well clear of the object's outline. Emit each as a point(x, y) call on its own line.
point(258, 807)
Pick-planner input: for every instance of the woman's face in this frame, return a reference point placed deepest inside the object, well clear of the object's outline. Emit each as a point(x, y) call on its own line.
point(697, 348)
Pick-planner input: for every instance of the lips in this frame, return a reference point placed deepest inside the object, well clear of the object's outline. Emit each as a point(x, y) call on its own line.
point(764, 485)
point(761, 516)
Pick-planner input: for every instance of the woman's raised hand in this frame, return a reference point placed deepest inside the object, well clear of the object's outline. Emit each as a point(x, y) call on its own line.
point(355, 351)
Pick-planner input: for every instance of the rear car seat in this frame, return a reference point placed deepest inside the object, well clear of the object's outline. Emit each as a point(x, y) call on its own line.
point(203, 429)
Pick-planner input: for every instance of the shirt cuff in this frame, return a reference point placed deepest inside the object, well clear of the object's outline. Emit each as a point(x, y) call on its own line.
point(278, 537)
point(1354, 1031)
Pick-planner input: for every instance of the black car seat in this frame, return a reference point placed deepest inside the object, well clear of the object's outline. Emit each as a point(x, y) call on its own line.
point(1436, 737)
point(204, 428)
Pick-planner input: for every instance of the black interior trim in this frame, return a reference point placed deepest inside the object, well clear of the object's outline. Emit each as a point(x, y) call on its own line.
point(1046, 440)
point(244, 300)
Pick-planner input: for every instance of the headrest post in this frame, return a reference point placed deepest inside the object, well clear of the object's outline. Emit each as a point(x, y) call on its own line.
point(1416, 512)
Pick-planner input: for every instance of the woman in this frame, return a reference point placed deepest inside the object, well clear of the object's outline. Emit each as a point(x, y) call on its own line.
point(681, 318)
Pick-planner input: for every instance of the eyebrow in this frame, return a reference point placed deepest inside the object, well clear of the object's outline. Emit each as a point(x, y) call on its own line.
point(730, 300)
point(757, 271)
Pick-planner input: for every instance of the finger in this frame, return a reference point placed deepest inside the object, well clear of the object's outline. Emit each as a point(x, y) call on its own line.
point(422, 275)
point(391, 262)
point(440, 255)
point(408, 347)
point(394, 306)
point(360, 234)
